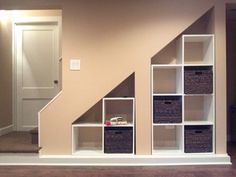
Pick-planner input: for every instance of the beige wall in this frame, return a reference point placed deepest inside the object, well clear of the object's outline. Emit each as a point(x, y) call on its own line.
point(6, 81)
point(220, 75)
point(5, 72)
point(118, 38)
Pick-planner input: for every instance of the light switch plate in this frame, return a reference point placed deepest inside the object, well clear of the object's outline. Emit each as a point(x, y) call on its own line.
point(74, 64)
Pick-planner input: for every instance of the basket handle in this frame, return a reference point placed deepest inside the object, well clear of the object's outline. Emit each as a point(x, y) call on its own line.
point(167, 102)
point(118, 132)
point(198, 72)
point(198, 131)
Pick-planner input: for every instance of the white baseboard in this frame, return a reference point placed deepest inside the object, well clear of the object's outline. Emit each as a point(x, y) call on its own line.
point(140, 160)
point(6, 130)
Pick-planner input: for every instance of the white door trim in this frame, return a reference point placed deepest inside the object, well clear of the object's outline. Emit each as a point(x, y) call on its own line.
point(27, 20)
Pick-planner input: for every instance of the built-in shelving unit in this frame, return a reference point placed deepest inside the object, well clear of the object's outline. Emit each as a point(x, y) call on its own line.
point(94, 138)
point(179, 107)
point(119, 138)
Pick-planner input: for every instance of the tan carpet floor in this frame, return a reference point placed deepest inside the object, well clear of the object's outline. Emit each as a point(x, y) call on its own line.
point(17, 142)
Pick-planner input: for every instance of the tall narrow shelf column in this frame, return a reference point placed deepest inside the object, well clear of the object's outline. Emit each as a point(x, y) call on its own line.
point(119, 139)
point(167, 99)
point(199, 93)
point(183, 98)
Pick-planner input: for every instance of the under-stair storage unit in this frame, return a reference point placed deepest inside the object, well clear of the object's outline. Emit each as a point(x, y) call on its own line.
point(112, 132)
point(183, 98)
point(119, 136)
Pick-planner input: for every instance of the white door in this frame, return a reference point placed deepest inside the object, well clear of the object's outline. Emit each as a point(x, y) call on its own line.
point(37, 64)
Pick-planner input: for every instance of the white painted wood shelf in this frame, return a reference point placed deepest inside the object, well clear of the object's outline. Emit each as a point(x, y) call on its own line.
point(167, 80)
point(87, 125)
point(88, 137)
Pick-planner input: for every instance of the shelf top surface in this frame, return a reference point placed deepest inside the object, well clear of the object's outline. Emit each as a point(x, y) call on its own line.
point(195, 95)
point(197, 37)
point(88, 152)
point(198, 123)
point(198, 64)
point(118, 98)
point(126, 125)
point(167, 94)
point(87, 125)
point(166, 66)
point(178, 66)
point(167, 151)
point(167, 124)
point(91, 153)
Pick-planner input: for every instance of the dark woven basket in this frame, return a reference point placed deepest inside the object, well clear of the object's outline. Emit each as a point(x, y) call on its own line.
point(118, 140)
point(198, 139)
point(167, 109)
point(233, 123)
point(198, 80)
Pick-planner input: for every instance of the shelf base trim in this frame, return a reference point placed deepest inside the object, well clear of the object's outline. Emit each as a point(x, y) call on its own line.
point(129, 160)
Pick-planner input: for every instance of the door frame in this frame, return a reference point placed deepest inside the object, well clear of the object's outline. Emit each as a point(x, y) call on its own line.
point(44, 20)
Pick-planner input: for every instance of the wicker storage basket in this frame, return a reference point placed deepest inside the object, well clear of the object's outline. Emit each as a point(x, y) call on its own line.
point(198, 80)
point(167, 109)
point(118, 140)
point(198, 138)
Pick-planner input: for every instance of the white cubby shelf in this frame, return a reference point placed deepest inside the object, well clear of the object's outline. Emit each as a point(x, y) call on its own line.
point(88, 138)
point(198, 49)
point(168, 80)
point(167, 139)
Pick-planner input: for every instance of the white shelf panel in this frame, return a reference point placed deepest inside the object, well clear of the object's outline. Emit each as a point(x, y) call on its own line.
point(197, 154)
point(167, 152)
point(198, 64)
point(167, 124)
point(87, 125)
point(198, 94)
point(197, 37)
point(127, 125)
point(113, 155)
point(198, 123)
point(88, 152)
point(167, 94)
point(166, 66)
point(118, 98)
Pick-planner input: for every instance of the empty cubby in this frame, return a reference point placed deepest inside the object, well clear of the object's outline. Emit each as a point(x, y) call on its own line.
point(198, 49)
point(199, 108)
point(87, 140)
point(167, 138)
point(167, 80)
